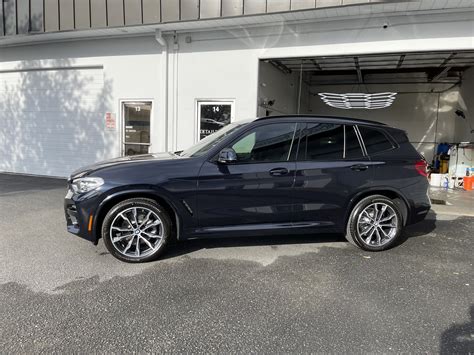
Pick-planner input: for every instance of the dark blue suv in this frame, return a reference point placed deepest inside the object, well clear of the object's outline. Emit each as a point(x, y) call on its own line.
point(274, 175)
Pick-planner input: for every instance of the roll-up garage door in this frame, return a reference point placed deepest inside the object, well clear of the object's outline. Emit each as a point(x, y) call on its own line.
point(52, 120)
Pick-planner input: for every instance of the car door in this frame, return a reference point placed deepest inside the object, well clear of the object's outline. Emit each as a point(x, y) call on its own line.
point(331, 168)
point(255, 190)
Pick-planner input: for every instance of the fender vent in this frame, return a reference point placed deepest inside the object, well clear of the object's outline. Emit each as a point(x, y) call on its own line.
point(185, 204)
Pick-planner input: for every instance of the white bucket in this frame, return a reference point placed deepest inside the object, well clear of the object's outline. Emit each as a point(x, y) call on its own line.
point(436, 180)
point(452, 182)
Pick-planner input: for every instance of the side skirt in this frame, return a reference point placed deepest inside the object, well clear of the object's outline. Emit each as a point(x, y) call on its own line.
point(261, 229)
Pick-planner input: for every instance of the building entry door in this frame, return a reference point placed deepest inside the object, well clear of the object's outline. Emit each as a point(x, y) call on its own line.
point(213, 115)
point(136, 130)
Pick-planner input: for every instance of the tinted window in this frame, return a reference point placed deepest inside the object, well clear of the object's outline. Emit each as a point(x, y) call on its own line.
point(204, 145)
point(268, 143)
point(322, 141)
point(353, 149)
point(374, 140)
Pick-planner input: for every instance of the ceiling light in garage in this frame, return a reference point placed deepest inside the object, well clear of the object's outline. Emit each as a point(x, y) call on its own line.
point(359, 100)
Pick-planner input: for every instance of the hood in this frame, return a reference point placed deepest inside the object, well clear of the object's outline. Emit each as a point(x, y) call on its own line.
point(84, 171)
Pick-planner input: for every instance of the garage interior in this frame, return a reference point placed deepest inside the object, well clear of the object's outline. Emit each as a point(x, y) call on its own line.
point(429, 95)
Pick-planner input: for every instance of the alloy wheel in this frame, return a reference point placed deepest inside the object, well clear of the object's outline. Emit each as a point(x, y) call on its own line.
point(377, 224)
point(137, 232)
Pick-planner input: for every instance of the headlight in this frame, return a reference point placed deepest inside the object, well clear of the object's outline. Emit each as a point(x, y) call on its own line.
point(86, 184)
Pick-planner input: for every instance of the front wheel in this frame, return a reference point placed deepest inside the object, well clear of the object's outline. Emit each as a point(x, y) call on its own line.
point(136, 230)
point(375, 224)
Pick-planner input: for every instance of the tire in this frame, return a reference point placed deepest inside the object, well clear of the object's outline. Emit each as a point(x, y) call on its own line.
point(136, 223)
point(375, 224)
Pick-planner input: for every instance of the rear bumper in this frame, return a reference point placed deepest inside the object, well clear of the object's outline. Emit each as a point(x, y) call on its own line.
point(418, 215)
point(419, 200)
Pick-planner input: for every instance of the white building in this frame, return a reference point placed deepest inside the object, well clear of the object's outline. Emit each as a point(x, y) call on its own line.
point(75, 89)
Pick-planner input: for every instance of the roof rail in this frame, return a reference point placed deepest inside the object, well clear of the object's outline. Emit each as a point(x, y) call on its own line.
point(325, 117)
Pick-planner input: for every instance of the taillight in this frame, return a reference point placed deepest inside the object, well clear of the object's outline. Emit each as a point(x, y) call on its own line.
point(421, 166)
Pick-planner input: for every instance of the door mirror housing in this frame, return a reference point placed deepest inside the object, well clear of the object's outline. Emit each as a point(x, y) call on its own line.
point(227, 156)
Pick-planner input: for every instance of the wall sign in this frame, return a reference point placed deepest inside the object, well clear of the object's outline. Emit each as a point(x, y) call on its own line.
point(110, 121)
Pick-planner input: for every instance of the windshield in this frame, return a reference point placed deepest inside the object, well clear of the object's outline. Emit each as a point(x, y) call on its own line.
point(204, 145)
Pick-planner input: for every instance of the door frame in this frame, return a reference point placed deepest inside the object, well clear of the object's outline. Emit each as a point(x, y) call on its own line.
point(197, 119)
point(122, 121)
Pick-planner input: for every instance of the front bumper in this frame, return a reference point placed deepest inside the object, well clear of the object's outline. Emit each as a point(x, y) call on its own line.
point(80, 213)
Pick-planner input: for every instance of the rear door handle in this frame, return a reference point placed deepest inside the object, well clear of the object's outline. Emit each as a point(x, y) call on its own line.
point(359, 167)
point(279, 171)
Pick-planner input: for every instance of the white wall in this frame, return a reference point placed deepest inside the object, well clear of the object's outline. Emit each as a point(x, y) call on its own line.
point(283, 89)
point(131, 70)
point(280, 87)
point(224, 64)
point(464, 127)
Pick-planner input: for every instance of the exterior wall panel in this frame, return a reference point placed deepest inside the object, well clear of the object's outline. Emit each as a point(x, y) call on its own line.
point(151, 11)
point(36, 16)
point(133, 12)
point(170, 10)
point(66, 15)
point(210, 8)
point(82, 14)
point(232, 7)
point(255, 7)
point(98, 13)
point(189, 9)
point(351, 2)
point(23, 17)
point(326, 3)
point(278, 5)
point(9, 13)
point(302, 4)
point(115, 16)
point(51, 15)
point(1, 21)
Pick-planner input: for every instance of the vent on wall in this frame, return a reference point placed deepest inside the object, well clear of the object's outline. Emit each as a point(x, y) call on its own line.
point(359, 100)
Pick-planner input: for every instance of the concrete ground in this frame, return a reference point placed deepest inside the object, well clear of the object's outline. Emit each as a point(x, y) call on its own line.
point(300, 294)
point(452, 201)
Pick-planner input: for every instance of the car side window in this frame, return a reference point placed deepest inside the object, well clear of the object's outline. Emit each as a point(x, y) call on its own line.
point(353, 148)
point(267, 143)
point(375, 141)
point(322, 141)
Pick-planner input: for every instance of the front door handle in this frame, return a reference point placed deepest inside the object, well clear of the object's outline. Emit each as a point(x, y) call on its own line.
point(279, 171)
point(359, 167)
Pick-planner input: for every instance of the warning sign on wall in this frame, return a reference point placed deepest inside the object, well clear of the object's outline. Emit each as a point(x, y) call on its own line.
point(110, 121)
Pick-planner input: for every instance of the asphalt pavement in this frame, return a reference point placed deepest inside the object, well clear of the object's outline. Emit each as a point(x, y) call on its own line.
point(61, 294)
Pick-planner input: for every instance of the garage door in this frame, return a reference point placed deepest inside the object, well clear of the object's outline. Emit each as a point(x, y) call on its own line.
point(52, 120)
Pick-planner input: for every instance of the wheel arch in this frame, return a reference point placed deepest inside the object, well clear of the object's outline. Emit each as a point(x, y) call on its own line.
point(391, 193)
point(118, 197)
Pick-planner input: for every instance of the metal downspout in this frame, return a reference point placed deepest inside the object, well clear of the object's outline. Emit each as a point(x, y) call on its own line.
point(164, 73)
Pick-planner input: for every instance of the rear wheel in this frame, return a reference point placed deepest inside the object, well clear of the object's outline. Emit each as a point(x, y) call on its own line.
point(136, 230)
point(375, 223)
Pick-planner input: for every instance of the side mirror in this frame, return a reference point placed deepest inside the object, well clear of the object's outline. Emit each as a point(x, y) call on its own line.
point(227, 156)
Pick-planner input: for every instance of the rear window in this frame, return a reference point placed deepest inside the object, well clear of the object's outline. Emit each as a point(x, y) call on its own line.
point(375, 141)
point(329, 141)
point(322, 141)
